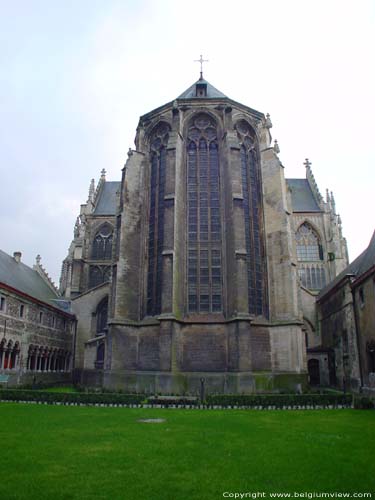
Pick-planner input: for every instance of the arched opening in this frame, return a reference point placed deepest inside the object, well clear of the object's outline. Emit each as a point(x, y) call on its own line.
point(100, 352)
point(313, 367)
point(204, 233)
point(102, 317)
point(98, 275)
point(370, 348)
point(158, 163)
point(253, 219)
point(311, 268)
point(102, 244)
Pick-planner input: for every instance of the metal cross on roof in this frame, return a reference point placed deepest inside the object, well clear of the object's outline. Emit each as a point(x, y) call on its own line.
point(201, 61)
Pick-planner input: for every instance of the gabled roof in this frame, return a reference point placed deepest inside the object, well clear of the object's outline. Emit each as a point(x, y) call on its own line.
point(24, 279)
point(106, 204)
point(302, 197)
point(363, 263)
point(191, 93)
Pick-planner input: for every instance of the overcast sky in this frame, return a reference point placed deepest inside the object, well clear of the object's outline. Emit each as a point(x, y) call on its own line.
point(76, 75)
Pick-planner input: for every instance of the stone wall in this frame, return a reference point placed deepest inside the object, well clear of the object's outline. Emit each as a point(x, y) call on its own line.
point(29, 324)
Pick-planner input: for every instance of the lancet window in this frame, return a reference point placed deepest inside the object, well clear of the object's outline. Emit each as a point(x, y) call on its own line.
point(102, 316)
point(98, 275)
point(158, 159)
point(253, 218)
point(204, 235)
point(311, 268)
point(102, 244)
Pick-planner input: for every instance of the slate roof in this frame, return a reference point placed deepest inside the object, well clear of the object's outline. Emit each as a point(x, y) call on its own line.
point(357, 268)
point(212, 92)
point(21, 277)
point(302, 197)
point(106, 204)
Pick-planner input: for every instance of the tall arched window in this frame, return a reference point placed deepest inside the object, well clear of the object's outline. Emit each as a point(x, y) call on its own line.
point(100, 352)
point(310, 257)
point(102, 244)
point(102, 316)
point(204, 266)
point(98, 275)
point(158, 156)
point(253, 218)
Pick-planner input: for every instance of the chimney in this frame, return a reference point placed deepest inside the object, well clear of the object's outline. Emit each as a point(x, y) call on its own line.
point(17, 256)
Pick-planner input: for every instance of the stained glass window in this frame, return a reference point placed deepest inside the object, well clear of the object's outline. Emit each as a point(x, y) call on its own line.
point(102, 316)
point(311, 269)
point(102, 244)
point(204, 238)
point(158, 155)
point(98, 275)
point(252, 207)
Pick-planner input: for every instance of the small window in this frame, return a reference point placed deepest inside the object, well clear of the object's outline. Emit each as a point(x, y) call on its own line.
point(40, 317)
point(53, 321)
point(361, 297)
point(22, 311)
point(2, 303)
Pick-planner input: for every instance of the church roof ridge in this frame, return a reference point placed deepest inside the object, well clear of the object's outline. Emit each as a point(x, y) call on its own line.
point(211, 92)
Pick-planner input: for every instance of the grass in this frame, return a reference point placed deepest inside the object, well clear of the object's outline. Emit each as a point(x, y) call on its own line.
point(64, 389)
point(104, 453)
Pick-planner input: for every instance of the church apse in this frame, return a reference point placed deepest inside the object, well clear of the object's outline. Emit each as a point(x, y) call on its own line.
point(199, 242)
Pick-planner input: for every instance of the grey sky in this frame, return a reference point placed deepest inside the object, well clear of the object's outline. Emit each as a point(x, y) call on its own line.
point(76, 75)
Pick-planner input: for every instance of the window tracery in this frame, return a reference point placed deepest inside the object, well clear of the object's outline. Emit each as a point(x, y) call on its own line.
point(204, 266)
point(311, 269)
point(158, 156)
point(102, 244)
point(102, 316)
point(98, 275)
point(252, 206)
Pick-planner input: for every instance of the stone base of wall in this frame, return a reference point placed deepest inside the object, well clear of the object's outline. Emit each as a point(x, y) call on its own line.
point(37, 378)
point(185, 383)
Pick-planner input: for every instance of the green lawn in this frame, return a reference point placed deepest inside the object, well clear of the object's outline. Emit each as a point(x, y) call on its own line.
point(104, 453)
point(63, 389)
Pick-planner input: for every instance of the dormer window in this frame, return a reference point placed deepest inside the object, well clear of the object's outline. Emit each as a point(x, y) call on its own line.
point(201, 90)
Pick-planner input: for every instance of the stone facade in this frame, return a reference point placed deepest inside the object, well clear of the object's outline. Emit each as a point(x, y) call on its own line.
point(217, 259)
point(346, 315)
point(36, 343)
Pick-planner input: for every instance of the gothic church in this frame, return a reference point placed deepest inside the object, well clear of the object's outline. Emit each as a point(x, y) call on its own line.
point(203, 262)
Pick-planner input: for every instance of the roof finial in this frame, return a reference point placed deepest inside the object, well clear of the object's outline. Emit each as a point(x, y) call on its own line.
point(103, 172)
point(268, 122)
point(91, 190)
point(307, 164)
point(201, 61)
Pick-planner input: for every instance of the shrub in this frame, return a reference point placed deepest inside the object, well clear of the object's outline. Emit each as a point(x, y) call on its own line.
point(70, 397)
point(279, 400)
point(363, 403)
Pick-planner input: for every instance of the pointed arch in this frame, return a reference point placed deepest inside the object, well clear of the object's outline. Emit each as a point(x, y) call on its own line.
point(308, 241)
point(310, 256)
point(102, 316)
point(253, 219)
point(204, 232)
point(158, 159)
point(102, 243)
